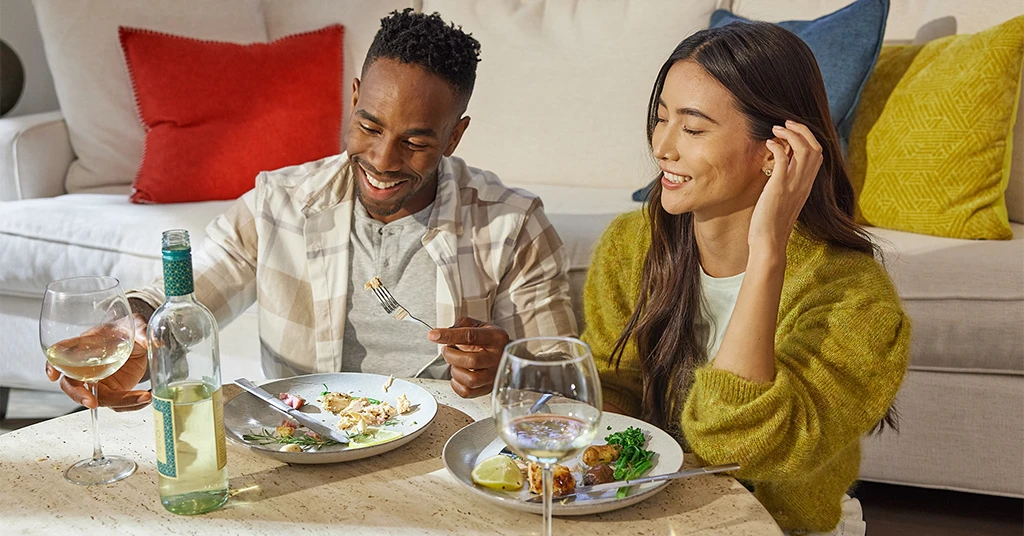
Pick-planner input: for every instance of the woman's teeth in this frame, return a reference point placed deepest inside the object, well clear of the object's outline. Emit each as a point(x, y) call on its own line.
point(676, 179)
point(380, 185)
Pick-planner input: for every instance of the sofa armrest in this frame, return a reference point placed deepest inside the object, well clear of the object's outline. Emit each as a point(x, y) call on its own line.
point(35, 152)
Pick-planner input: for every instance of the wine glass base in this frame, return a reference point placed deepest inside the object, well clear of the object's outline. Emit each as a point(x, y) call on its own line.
point(106, 470)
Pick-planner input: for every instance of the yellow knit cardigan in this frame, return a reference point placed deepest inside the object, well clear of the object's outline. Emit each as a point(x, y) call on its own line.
point(841, 350)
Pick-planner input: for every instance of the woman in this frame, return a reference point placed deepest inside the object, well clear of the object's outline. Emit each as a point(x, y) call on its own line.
point(743, 310)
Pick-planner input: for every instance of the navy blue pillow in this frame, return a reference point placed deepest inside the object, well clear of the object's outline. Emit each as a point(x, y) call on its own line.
point(845, 44)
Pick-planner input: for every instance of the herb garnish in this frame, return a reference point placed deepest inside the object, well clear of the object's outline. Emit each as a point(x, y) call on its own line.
point(306, 441)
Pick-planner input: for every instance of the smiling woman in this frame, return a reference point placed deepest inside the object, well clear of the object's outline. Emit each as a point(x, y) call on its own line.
point(762, 330)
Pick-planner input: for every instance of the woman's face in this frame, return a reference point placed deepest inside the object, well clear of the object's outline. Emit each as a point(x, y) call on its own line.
point(710, 164)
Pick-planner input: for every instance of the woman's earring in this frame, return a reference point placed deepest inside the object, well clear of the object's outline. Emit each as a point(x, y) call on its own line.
point(768, 173)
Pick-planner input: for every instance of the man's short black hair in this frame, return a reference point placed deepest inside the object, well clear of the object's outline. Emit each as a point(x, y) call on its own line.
point(428, 41)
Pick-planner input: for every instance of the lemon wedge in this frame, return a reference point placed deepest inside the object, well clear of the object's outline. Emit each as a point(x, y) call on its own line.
point(369, 440)
point(498, 472)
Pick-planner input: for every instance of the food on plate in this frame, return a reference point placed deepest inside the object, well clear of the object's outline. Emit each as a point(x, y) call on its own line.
point(306, 441)
point(562, 480)
point(403, 404)
point(622, 458)
point(362, 413)
point(498, 472)
point(634, 461)
point(334, 402)
point(599, 474)
point(388, 382)
point(601, 454)
point(286, 429)
point(361, 418)
point(294, 401)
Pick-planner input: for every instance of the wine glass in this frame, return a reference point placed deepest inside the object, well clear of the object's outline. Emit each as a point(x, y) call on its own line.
point(534, 367)
point(87, 331)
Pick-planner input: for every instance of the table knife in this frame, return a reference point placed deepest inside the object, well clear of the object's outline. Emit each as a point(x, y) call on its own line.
point(302, 418)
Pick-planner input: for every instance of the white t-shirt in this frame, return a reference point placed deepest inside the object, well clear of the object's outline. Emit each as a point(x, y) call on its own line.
point(718, 299)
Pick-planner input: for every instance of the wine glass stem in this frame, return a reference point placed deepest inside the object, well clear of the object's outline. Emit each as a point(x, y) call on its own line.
point(97, 451)
point(546, 479)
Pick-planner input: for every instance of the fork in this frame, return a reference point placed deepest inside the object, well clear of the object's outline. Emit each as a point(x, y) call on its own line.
point(391, 305)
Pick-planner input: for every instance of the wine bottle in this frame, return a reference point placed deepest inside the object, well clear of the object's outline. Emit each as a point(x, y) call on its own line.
point(188, 410)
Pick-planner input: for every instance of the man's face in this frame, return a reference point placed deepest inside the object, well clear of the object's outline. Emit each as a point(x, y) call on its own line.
point(404, 119)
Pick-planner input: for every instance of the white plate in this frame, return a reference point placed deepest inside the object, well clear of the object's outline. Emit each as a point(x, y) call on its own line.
point(246, 414)
point(479, 441)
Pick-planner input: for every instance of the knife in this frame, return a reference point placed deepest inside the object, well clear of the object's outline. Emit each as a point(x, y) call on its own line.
point(596, 488)
point(304, 420)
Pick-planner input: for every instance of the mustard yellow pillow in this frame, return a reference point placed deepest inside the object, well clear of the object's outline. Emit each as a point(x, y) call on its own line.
point(938, 121)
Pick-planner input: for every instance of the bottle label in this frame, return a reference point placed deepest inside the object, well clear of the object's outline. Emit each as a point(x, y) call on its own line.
point(178, 279)
point(218, 427)
point(163, 418)
point(172, 444)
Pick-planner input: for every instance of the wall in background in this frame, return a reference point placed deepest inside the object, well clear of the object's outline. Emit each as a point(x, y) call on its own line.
point(19, 29)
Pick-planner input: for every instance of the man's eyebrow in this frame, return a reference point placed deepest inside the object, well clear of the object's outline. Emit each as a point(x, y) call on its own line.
point(368, 116)
point(690, 111)
point(426, 132)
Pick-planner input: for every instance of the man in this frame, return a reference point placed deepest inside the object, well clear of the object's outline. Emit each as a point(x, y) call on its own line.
point(453, 244)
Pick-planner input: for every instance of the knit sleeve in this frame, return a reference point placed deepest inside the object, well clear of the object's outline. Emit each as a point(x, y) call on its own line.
point(608, 300)
point(837, 373)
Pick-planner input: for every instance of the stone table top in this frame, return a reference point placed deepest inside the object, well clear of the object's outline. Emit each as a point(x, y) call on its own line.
point(405, 491)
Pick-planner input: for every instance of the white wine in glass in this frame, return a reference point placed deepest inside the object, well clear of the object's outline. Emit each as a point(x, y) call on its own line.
point(86, 331)
point(558, 368)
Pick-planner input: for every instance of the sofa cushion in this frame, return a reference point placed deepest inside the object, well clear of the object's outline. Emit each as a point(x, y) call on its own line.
point(553, 71)
point(921, 173)
point(82, 50)
point(210, 130)
point(965, 299)
point(85, 234)
point(845, 44)
point(919, 22)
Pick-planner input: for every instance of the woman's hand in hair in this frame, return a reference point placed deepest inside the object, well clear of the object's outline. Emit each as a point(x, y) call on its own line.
point(792, 175)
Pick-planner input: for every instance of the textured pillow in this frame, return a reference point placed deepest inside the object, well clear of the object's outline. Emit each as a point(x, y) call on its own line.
point(845, 44)
point(892, 64)
point(937, 158)
point(95, 94)
point(216, 113)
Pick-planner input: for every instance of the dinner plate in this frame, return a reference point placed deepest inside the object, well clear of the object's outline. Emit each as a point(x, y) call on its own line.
point(246, 414)
point(479, 441)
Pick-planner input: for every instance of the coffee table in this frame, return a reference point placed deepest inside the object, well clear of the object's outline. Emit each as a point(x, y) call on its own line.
point(406, 491)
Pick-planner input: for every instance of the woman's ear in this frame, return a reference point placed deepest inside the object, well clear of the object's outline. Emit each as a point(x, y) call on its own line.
point(768, 159)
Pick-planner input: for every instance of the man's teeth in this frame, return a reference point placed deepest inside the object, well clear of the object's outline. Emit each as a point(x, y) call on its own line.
point(677, 179)
point(381, 185)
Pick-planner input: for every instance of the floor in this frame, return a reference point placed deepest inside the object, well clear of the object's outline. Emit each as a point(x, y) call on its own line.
point(889, 510)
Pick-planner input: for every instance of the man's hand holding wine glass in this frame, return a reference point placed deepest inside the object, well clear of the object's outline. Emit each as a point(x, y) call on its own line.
point(115, 391)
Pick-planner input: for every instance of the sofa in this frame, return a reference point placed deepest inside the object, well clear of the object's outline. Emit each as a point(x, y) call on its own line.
point(559, 110)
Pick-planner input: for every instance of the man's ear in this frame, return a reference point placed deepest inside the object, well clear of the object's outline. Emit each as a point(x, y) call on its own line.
point(457, 132)
point(355, 93)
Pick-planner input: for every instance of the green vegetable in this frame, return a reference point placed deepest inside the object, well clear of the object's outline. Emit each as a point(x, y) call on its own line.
point(303, 440)
point(634, 461)
point(326, 390)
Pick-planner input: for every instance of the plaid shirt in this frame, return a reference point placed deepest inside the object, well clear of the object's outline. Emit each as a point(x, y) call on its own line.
point(285, 244)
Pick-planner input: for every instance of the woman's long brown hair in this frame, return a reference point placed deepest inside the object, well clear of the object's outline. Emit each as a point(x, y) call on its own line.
point(773, 77)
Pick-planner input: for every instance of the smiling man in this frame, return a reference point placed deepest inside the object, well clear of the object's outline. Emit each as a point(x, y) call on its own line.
point(455, 246)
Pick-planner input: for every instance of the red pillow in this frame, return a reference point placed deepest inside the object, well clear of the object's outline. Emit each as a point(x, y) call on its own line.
point(216, 114)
